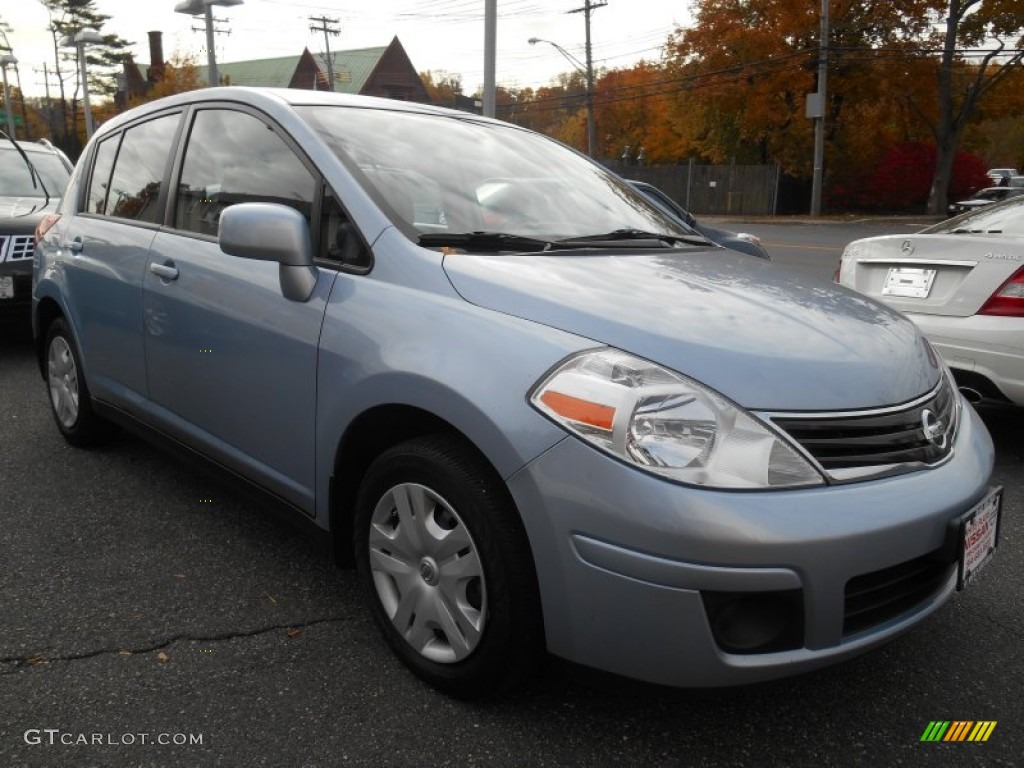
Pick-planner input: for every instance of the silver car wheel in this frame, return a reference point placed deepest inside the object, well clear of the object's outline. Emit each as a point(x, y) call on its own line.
point(427, 573)
point(62, 376)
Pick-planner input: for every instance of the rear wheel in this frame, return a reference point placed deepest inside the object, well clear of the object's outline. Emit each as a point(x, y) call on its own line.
point(70, 402)
point(447, 568)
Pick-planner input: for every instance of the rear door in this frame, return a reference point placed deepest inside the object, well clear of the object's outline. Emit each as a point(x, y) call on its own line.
point(107, 243)
point(231, 363)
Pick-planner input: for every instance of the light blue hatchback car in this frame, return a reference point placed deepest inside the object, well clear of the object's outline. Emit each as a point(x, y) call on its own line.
point(534, 412)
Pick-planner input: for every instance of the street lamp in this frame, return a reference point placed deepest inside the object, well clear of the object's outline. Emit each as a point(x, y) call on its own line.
point(205, 7)
point(587, 70)
point(8, 58)
point(79, 40)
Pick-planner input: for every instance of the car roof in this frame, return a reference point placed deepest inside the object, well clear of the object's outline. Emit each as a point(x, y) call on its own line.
point(273, 100)
point(29, 146)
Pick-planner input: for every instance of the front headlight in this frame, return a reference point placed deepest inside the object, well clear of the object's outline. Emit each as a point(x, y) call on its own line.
point(667, 424)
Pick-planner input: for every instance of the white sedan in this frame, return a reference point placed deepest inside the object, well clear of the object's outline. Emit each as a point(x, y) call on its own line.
point(962, 282)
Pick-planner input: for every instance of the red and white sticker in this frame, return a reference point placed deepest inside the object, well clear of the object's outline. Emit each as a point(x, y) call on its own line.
point(980, 537)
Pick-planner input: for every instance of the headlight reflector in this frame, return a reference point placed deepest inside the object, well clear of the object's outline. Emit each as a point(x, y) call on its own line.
point(668, 424)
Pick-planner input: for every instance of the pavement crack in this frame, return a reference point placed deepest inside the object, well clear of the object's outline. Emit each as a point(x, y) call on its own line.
point(10, 664)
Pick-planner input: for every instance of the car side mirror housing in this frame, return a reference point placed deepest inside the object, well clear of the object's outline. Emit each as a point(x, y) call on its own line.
point(272, 232)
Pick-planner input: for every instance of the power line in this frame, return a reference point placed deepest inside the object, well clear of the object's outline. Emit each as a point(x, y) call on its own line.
point(697, 81)
point(662, 87)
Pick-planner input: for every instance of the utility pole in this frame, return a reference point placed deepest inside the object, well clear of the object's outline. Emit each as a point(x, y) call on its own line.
point(490, 56)
point(817, 181)
point(211, 29)
point(588, 8)
point(205, 7)
point(328, 27)
point(49, 102)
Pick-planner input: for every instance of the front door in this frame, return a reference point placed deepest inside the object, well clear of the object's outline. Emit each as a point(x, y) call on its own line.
point(231, 364)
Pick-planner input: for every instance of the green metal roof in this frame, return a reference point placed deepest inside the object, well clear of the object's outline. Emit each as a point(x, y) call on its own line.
point(351, 69)
point(274, 73)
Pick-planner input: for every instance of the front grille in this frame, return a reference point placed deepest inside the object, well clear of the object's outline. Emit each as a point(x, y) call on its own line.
point(874, 598)
point(916, 433)
point(17, 247)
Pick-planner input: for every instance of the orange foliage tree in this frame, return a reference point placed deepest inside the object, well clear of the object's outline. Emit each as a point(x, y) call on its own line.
point(443, 88)
point(180, 75)
point(632, 109)
point(902, 70)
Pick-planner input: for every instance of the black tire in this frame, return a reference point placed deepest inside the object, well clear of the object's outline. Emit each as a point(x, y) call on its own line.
point(465, 501)
point(70, 401)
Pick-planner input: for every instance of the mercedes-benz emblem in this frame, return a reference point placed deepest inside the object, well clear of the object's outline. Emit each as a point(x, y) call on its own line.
point(934, 429)
point(907, 247)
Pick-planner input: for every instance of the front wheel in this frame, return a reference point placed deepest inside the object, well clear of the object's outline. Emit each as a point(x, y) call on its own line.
point(70, 402)
point(447, 567)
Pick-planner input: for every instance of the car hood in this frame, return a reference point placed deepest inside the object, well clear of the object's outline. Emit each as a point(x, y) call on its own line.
point(763, 335)
point(13, 207)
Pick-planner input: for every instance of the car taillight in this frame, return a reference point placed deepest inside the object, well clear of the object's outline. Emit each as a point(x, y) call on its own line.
point(1009, 299)
point(44, 225)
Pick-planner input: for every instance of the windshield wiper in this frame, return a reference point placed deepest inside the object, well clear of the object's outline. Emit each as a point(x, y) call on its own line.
point(616, 236)
point(485, 241)
point(32, 172)
point(502, 241)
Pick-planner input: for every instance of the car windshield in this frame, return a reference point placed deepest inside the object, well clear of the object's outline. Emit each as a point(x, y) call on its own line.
point(1005, 218)
point(445, 175)
point(16, 179)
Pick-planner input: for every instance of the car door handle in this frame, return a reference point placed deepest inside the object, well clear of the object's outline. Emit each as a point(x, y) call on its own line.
point(75, 246)
point(164, 271)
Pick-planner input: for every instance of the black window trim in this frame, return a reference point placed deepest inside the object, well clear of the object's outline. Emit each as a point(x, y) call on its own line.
point(173, 169)
point(323, 261)
point(319, 182)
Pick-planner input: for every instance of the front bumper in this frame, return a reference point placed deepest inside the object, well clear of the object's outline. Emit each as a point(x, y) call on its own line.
point(19, 273)
point(988, 346)
point(626, 561)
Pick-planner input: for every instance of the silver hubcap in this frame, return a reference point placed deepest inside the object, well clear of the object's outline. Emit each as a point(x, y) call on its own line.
point(63, 379)
point(427, 573)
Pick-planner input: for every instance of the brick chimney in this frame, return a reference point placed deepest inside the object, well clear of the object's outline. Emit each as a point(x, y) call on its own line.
point(156, 57)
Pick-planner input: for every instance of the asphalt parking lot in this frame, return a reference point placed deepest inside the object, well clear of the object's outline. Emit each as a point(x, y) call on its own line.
point(142, 602)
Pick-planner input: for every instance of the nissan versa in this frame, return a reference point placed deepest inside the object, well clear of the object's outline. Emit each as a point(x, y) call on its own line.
point(534, 411)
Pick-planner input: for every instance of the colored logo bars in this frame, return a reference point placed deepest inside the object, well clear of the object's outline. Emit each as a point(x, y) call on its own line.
point(958, 730)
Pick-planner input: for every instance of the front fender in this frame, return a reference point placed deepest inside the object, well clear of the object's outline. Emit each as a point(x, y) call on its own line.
point(385, 345)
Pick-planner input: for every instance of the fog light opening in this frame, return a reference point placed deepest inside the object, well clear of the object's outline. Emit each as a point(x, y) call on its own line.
point(755, 622)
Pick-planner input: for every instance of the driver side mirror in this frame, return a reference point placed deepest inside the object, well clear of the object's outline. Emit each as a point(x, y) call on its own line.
point(272, 232)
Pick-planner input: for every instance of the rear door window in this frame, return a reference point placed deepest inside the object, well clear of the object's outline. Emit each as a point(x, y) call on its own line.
point(135, 184)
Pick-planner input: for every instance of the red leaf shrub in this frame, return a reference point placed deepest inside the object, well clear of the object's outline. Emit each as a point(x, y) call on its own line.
point(903, 178)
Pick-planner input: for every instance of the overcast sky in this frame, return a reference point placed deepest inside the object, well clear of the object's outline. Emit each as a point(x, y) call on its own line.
point(439, 35)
